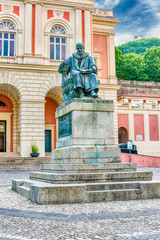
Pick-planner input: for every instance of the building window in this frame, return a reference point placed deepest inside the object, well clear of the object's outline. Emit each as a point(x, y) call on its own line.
point(2, 104)
point(58, 40)
point(7, 39)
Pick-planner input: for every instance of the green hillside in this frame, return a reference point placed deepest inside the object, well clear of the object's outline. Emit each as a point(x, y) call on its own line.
point(132, 66)
point(139, 46)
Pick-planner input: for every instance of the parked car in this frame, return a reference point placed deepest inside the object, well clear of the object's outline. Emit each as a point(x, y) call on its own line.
point(124, 149)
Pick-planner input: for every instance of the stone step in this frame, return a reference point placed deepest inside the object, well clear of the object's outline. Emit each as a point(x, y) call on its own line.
point(114, 195)
point(111, 186)
point(23, 163)
point(23, 186)
point(90, 177)
point(20, 167)
point(87, 160)
point(25, 159)
point(24, 191)
point(107, 167)
point(46, 193)
point(9, 154)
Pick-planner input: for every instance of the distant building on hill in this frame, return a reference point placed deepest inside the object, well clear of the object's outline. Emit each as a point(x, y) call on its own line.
point(138, 37)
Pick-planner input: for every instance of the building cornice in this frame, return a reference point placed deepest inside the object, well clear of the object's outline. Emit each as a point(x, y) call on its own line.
point(28, 67)
point(105, 20)
point(87, 4)
point(104, 31)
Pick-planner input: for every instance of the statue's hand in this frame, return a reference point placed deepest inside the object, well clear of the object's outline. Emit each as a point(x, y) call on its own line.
point(86, 71)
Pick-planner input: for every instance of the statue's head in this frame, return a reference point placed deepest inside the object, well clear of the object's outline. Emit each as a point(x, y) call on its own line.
point(80, 48)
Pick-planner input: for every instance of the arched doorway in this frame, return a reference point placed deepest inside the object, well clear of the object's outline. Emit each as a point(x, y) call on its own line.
point(50, 124)
point(122, 135)
point(6, 124)
point(52, 102)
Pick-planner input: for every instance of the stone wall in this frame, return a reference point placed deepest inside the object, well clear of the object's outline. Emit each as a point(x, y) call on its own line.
point(134, 87)
point(27, 91)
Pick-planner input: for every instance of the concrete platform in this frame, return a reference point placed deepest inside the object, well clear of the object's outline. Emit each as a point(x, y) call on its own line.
point(45, 193)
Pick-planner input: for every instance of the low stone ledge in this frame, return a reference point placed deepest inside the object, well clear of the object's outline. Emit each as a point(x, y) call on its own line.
point(58, 194)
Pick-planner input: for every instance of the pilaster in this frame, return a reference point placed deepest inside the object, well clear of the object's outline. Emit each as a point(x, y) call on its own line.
point(146, 127)
point(78, 16)
point(111, 59)
point(28, 28)
point(87, 31)
point(131, 126)
point(38, 30)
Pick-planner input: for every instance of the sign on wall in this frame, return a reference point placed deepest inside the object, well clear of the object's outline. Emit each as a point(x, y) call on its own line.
point(139, 137)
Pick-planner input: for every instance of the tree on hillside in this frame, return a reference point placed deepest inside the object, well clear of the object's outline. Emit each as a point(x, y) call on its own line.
point(139, 46)
point(119, 63)
point(130, 66)
point(152, 63)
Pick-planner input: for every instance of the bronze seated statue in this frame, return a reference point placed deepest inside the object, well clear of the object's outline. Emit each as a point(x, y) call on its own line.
point(83, 75)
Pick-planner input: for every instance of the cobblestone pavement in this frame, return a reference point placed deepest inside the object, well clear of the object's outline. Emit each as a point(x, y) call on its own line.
point(20, 219)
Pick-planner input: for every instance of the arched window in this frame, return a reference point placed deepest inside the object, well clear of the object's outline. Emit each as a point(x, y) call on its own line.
point(2, 104)
point(7, 39)
point(58, 38)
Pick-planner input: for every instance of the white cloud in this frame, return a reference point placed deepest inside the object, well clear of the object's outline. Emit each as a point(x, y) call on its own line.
point(154, 7)
point(109, 4)
point(123, 38)
point(151, 6)
point(154, 31)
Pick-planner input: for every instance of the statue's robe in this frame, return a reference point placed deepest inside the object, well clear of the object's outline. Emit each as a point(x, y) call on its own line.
point(77, 62)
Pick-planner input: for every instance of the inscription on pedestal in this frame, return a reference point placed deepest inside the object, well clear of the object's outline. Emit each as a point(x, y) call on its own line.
point(65, 125)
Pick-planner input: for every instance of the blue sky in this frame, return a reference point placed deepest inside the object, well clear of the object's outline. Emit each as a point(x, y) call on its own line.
point(138, 17)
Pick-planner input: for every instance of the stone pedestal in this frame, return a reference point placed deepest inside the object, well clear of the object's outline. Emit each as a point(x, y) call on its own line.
point(85, 132)
point(86, 165)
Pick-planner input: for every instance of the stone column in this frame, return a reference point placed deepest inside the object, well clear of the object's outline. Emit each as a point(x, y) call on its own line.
point(78, 25)
point(32, 127)
point(38, 30)
point(111, 59)
point(87, 31)
point(28, 28)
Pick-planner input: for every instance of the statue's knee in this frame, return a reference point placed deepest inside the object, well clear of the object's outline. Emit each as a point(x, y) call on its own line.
point(93, 75)
point(76, 74)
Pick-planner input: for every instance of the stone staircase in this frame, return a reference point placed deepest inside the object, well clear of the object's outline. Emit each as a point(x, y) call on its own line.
point(77, 183)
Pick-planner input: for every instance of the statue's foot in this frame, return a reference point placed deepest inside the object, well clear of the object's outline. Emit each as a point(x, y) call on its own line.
point(93, 94)
point(82, 95)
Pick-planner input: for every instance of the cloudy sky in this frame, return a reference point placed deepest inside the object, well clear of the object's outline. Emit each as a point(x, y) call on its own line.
point(138, 17)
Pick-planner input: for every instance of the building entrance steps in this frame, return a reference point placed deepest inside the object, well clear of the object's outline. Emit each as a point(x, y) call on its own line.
point(23, 162)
